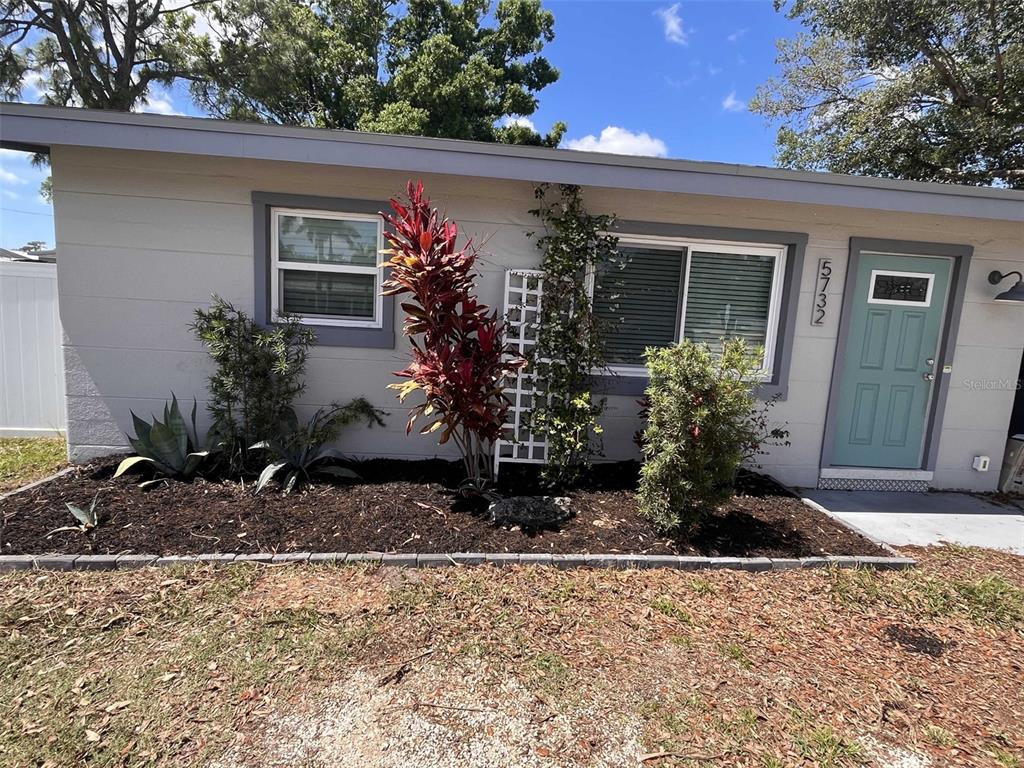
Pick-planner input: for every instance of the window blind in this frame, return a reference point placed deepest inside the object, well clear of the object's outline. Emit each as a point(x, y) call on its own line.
point(328, 293)
point(728, 296)
point(638, 304)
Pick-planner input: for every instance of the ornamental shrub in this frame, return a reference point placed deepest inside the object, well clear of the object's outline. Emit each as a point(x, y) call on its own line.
point(569, 348)
point(259, 375)
point(704, 420)
point(459, 357)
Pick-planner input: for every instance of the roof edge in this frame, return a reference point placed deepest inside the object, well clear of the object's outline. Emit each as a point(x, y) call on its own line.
point(35, 127)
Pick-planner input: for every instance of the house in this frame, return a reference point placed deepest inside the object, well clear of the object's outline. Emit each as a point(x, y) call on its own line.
point(894, 365)
point(37, 255)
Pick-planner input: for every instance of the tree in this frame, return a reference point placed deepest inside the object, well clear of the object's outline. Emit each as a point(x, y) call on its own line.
point(915, 89)
point(427, 67)
point(91, 53)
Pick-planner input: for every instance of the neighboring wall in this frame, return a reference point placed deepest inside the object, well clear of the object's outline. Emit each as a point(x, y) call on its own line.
point(146, 238)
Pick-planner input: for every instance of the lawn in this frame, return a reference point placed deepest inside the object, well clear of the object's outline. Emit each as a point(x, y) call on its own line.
point(23, 460)
point(372, 667)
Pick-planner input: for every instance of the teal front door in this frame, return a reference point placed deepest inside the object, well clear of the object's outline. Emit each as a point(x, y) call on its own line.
point(891, 360)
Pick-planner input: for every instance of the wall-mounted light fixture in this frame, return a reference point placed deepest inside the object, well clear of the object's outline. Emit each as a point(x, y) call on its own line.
point(1016, 293)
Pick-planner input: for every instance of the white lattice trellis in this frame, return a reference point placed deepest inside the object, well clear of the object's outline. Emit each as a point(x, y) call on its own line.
point(524, 290)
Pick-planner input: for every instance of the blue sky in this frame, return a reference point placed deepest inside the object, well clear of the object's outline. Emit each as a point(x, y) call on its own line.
point(668, 79)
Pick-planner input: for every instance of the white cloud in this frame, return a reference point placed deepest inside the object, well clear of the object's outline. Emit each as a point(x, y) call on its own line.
point(158, 102)
point(713, 70)
point(525, 122)
point(620, 141)
point(673, 23)
point(6, 177)
point(734, 37)
point(731, 104)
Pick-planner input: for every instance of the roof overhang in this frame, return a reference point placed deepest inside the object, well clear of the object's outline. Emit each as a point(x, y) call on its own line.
point(35, 127)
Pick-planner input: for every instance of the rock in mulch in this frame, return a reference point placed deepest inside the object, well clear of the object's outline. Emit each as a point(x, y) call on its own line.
point(531, 513)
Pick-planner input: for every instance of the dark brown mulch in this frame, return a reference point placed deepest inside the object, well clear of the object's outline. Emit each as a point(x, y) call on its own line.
point(400, 507)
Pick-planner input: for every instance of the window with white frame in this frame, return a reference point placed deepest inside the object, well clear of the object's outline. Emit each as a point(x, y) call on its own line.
point(664, 290)
point(325, 267)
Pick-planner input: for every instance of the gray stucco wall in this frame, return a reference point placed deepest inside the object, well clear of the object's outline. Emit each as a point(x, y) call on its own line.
point(146, 238)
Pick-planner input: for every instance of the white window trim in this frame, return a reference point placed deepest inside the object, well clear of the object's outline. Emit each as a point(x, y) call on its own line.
point(276, 266)
point(875, 273)
point(686, 246)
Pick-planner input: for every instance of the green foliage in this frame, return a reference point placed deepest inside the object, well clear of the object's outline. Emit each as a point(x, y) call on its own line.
point(166, 446)
point(300, 449)
point(87, 519)
point(703, 421)
point(824, 747)
point(667, 607)
point(915, 89)
point(569, 346)
point(259, 374)
point(100, 55)
point(429, 67)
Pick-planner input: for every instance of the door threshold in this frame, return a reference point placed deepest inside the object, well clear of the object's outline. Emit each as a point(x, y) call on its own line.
point(871, 479)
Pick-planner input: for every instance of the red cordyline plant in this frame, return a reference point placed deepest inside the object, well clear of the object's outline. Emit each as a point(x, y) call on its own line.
point(459, 355)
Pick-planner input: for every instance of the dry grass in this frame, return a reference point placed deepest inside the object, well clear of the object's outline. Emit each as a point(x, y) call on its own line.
point(827, 668)
point(23, 460)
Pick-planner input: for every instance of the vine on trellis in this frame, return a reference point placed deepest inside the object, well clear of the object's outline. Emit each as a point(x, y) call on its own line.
point(576, 247)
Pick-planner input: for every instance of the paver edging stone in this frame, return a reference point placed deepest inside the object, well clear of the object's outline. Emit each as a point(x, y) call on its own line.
point(440, 560)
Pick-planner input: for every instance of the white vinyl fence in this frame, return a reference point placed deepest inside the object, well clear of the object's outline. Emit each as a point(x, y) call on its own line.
point(31, 366)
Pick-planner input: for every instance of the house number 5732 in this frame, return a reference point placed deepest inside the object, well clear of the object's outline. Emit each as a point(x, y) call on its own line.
point(821, 292)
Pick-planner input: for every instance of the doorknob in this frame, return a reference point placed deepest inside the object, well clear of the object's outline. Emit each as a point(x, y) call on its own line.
point(928, 376)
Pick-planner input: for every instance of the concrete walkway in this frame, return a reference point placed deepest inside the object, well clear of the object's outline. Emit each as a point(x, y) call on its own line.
point(924, 519)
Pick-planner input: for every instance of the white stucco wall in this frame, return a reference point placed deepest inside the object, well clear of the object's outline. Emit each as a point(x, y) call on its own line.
point(146, 238)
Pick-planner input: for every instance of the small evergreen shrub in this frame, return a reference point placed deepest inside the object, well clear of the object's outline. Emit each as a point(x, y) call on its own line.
point(703, 422)
point(258, 377)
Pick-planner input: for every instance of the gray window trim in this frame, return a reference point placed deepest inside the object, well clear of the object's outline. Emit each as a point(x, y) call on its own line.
point(796, 246)
point(961, 255)
point(327, 335)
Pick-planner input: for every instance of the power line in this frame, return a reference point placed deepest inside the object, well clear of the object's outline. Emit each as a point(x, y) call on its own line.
point(29, 213)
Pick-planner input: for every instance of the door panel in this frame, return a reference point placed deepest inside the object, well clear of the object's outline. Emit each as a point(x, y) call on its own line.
point(885, 392)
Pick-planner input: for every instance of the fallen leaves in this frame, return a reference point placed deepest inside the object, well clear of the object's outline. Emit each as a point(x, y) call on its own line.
point(208, 656)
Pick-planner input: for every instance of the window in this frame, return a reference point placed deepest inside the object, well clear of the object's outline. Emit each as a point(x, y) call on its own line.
point(638, 301)
point(325, 267)
point(665, 290)
point(901, 288)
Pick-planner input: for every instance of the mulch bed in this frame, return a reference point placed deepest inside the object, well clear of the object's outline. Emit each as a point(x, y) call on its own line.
point(401, 507)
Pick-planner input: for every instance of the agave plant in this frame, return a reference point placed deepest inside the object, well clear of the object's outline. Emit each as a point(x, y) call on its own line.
point(167, 446)
point(300, 450)
point(87, 518)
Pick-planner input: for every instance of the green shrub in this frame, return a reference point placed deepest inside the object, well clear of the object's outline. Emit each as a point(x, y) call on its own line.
point(569, 346)
point(300, 450)
point(703, 421)
point(258, 377)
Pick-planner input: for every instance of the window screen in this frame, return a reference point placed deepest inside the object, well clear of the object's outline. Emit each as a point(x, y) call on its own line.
point(638, 302)
point(728, 296)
